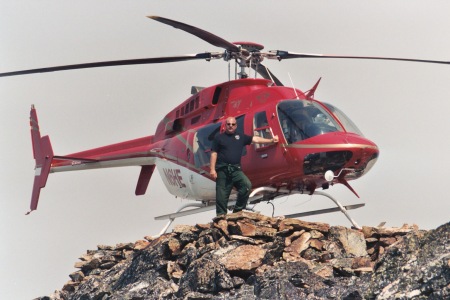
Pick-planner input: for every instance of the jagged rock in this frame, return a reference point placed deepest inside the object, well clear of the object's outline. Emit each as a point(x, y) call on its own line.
point(105, 247)
point(248, 240)
point(222, 225)
point(352, 241)
point(292, 237)
point(205, 275)
point(70, 286)
point(141, 244)
point(286, 277)
point(174, 270)
point(243, 258)
point(187, 256)
point(174, 246)
point(124, 246)
point(316, 244)
point(296, 248)
point(418, 265)
point(247, 215)
point(77, 276)
point(184, 228)
point(251, 256)
point(295, 224)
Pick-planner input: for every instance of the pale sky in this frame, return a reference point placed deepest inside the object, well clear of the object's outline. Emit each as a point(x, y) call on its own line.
point(402, 107)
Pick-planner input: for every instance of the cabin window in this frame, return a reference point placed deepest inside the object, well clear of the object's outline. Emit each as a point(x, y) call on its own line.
point(216, 95)
point(261, 128)
point(240, 129)
point(195, 120)
point(203, 142)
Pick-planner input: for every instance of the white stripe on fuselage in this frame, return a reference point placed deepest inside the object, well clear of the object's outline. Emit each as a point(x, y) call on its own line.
point(128, 162)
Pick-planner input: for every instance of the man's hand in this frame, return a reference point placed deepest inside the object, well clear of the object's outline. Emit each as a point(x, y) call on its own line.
point(212, 165)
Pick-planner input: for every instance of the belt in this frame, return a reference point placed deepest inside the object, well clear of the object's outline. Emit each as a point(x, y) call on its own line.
point(229, 167)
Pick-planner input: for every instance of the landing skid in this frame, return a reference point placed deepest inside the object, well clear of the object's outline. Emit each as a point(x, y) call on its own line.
point(324, 211)
point(259, 195)
point(340, 207)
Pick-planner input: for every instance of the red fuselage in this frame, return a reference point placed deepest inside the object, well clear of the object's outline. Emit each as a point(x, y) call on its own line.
point(314, 138)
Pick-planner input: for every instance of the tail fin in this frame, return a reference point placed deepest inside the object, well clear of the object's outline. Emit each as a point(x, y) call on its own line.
point(43, 155)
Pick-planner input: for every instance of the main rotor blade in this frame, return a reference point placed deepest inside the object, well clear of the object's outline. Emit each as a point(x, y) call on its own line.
point(139, 61)
point(287, 55)
point(204, 35)
point(266, 74)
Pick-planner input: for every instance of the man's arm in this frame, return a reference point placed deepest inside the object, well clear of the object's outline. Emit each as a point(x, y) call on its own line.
point(212, 165)
point(261, 140)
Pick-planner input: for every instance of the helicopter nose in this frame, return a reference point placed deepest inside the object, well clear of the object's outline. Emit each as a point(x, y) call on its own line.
point(333, 152)
point(364, 155)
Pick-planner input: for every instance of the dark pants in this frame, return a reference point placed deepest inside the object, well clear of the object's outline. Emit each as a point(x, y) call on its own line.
point(228, 177)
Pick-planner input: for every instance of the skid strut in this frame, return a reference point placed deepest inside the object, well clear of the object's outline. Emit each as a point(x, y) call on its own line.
point(340, 207)
point(201, 207)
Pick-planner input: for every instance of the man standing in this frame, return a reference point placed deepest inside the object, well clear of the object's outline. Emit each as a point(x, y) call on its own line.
point(226, 166)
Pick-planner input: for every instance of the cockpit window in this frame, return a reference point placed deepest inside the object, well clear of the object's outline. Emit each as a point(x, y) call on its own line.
point(302, 119)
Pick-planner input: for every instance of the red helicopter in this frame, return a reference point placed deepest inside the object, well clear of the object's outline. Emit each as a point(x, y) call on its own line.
point(319, 145)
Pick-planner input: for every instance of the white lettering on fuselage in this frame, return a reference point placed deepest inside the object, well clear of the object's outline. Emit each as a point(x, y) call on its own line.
point(174, 178)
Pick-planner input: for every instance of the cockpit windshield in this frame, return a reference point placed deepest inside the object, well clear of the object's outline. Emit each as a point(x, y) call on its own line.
point(348, 124)
point(301, 120)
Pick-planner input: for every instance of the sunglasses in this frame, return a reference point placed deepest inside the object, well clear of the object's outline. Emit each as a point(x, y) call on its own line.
point(231, 124)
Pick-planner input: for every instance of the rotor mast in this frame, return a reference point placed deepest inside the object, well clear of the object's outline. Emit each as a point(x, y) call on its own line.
point(248, 56)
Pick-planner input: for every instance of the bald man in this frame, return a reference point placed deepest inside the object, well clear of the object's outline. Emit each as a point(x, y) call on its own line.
point(225, 166)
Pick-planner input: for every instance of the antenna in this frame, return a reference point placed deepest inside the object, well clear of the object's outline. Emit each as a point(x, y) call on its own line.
point(296, 95)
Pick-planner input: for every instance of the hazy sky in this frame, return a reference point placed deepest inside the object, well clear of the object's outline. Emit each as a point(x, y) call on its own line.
point(403, 107)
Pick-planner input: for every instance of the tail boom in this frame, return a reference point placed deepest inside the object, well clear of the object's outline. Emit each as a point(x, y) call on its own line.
point(137, 152)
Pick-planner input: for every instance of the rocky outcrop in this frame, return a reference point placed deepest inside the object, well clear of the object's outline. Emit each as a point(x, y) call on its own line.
point(251, 256)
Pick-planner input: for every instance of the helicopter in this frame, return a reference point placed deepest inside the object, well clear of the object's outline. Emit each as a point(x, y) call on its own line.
point(319, 145)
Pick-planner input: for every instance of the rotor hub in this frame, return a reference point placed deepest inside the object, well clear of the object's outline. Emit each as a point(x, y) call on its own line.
point(249, 46)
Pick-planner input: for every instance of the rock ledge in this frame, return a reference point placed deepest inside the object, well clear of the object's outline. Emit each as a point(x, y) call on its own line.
point(251, 256)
